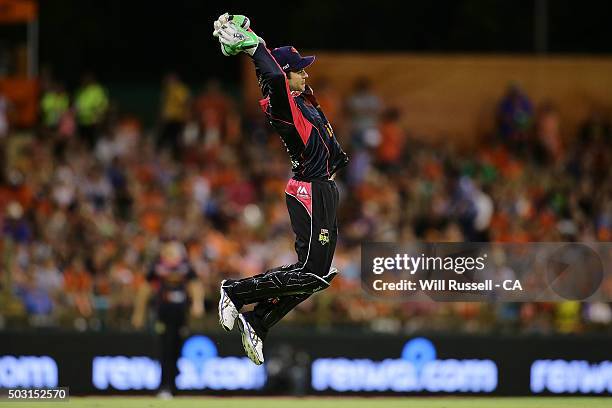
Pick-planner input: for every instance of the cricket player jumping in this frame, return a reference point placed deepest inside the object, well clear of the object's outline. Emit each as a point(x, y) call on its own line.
point(311, 195)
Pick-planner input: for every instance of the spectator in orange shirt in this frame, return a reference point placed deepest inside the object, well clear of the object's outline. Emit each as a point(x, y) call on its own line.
point(330, 101)
point(548, 134)
point(393, 139)
point(78, 285)
point(212, 109)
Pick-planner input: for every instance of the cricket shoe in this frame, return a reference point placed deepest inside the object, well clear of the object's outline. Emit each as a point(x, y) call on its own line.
point(252, 343)
point(227, 310)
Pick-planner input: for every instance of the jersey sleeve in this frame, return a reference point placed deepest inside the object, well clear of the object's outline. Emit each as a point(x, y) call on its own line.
point(278, 103)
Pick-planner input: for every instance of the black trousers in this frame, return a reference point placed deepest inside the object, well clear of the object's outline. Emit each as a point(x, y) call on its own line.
point(312, 210)
point(172, 318)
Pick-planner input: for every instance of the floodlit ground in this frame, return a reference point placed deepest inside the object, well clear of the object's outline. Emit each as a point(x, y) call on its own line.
point(407, 402)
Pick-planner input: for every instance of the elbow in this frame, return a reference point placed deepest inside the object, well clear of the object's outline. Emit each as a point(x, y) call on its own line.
point(279, 82)
point(278, 77)
point(275, 84)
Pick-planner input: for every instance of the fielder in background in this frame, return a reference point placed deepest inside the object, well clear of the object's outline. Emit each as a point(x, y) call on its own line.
point(311, 194)
point(177, 290)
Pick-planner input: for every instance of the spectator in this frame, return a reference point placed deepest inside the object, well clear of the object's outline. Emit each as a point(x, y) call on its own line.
point(174, 114)
point(48, 277)
point(331, 102)
point(91, 102)
point(596, 127)
point(35, 299)
point(548, 136)
point(4, 120)
point(53, 105)
point(15, 226)
point(58, 125)
point(87, 223)
point(515, 117)
point(393, 139)
point(364, 107)
point(79, 285)
point(213, 109)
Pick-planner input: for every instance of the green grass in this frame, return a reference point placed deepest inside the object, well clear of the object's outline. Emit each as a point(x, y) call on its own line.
point(280, 402)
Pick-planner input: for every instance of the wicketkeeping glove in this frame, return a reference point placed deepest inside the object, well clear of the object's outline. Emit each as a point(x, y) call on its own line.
point(223, 20)
point(235, 35)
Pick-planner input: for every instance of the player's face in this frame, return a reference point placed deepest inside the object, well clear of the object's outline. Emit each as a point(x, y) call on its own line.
point(297, 80)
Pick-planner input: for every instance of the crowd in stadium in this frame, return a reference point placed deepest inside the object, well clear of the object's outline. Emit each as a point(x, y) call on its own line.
point(87, 202)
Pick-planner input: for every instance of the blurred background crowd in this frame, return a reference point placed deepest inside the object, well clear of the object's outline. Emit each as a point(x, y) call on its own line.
point(92, 196)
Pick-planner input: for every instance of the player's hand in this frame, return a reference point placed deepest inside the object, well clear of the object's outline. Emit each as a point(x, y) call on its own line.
point(138, 320)
point(222, 21)
point(197, 310)
point(235, 35)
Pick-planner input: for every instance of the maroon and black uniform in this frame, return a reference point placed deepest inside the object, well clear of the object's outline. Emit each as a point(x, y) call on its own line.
point(170, 283)
point(311, 196)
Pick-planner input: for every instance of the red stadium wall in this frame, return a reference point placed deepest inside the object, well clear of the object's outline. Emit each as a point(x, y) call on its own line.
point(456, 96)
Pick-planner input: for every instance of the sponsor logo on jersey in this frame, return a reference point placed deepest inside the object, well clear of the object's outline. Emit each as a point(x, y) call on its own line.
point(302, 192)
point(324, 236)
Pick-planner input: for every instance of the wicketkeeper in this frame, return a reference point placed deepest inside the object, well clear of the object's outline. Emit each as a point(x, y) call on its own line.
point(311, 195)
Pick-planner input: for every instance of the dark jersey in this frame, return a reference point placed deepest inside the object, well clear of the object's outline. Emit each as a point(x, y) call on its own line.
point(297, 117)
point(171, 282)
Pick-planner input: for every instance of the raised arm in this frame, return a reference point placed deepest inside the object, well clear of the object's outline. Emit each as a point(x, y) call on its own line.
point(278, 101)
point(273, 83)
point(235, 36)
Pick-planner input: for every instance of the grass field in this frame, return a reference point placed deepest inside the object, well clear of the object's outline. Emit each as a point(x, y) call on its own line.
point(407, 402)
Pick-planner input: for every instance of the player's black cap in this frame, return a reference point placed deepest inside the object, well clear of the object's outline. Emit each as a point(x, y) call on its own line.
point(290, 59)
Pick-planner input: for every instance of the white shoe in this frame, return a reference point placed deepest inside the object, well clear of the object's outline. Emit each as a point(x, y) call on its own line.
point(227, 310)
point(164, 394)
point(252, 343)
